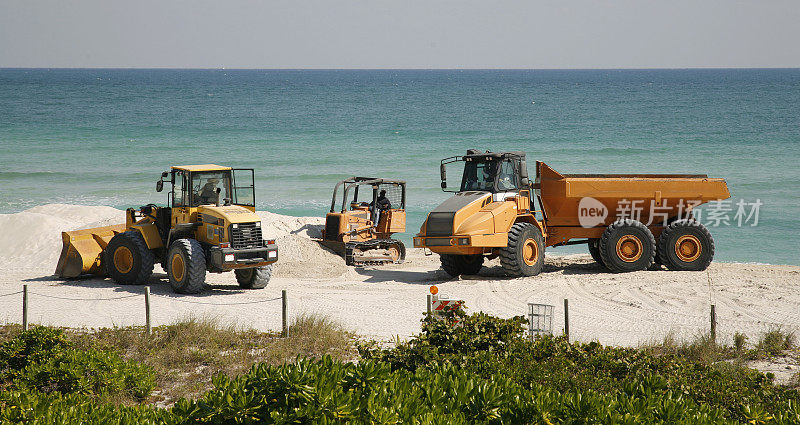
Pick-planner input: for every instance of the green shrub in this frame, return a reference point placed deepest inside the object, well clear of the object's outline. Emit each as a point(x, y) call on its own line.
point(88, 372)
point(32, 346)
point(441, 341)
point(61, 409)
point(739, 341)
point(42, 359)
point(775, 341)
point(327, 391)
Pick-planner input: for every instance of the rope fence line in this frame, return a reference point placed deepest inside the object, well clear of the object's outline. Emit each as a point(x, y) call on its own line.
point(206, 303)
point(25, 296)
point(84, 299)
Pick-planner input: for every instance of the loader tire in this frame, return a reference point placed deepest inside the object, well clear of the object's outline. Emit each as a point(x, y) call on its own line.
point(127, 259)
point(186, 266)
point(686, 245)
point(627, 246)
point(524, 255)
point(594, 250)
point(457, 265)
point(253, 278)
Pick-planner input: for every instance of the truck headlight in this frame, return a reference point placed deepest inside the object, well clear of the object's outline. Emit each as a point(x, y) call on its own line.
point(234, 226)
point(463, 241)
point(258, 224)
point(272, 254)
point(229, 258)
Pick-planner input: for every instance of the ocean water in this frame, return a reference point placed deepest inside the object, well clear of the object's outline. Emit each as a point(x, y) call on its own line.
point(101, 137)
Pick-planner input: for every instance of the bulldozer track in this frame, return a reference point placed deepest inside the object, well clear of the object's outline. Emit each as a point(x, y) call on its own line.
point(353, 250)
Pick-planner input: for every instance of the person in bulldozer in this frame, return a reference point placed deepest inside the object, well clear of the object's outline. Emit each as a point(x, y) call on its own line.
point(382, 203)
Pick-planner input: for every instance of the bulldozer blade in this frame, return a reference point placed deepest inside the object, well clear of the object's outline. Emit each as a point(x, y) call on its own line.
point(82, 249)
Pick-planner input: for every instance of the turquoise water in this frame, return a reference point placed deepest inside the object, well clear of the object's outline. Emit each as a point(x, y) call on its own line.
point(103, 136)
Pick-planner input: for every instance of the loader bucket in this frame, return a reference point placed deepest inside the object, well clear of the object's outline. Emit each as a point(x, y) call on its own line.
point(82, 248)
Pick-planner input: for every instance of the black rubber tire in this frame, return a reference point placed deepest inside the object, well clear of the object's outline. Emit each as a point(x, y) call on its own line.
point(143, 259)
point(512, 256)
point(669, 237)
point(253, 278)
point(457, 265)
point(193, 280)
point(608, 246)
point(594, 250)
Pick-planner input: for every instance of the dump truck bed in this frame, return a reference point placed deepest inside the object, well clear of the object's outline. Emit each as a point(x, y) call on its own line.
point(565, 197)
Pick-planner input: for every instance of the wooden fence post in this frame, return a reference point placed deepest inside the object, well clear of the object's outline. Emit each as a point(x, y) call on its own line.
point(566, 318)
point(285, 313)
point(25, 307)
point(714, 323)
point(430, 303)
point(147, 309)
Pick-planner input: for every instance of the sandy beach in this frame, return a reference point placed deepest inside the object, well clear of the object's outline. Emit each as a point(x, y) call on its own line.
point(386, 302)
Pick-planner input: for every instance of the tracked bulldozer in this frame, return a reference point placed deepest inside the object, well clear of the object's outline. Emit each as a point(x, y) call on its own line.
point(370, 211)
point(492, 214)
point(209, 224)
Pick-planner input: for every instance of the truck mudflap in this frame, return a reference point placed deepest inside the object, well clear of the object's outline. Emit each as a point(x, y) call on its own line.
point(224, 259)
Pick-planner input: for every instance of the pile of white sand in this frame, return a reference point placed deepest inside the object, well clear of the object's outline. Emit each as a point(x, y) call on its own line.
point(298, 255)
point(31, 239)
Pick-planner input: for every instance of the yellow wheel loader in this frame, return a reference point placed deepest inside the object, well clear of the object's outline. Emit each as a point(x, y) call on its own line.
point(209, 224)
point(361, 230)
point(629, 221)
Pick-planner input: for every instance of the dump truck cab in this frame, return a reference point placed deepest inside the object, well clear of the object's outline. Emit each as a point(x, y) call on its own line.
point(208, 224)
point(494, 193)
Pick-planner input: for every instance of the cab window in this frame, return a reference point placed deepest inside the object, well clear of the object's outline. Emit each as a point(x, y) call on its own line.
point(479, 176)
point(506, 177)
point(179, 189)
point(205, 185)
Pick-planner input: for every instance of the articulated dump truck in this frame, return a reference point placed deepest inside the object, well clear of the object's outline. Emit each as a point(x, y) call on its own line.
point(209, 224)
point(629, 221)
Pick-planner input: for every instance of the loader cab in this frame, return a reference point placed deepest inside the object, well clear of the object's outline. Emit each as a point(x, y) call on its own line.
point(489, 172)
point(195, 185)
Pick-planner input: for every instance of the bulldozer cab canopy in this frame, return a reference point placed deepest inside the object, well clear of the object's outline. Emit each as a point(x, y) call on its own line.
point(393, 191)
point(490, 171)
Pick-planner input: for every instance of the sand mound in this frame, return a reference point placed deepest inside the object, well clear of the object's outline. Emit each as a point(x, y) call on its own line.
point(31, 239)
point(299, 256)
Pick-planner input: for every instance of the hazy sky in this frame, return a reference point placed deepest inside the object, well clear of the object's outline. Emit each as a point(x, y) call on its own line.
point(399, 34)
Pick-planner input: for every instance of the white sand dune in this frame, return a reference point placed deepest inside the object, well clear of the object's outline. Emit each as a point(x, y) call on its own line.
point(621, 309)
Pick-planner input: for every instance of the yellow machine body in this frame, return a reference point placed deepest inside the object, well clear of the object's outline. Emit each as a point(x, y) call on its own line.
point(210, 224)
point(361, 231)
point(475, 222)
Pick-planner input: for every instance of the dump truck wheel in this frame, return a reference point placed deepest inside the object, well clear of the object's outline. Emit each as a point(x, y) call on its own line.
point(594, 250)
point(627, 246)
point(686, 245)
point(457, 265)
point(186, 266)
point(524, 255)
point(127, 259)
point(253, 278)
